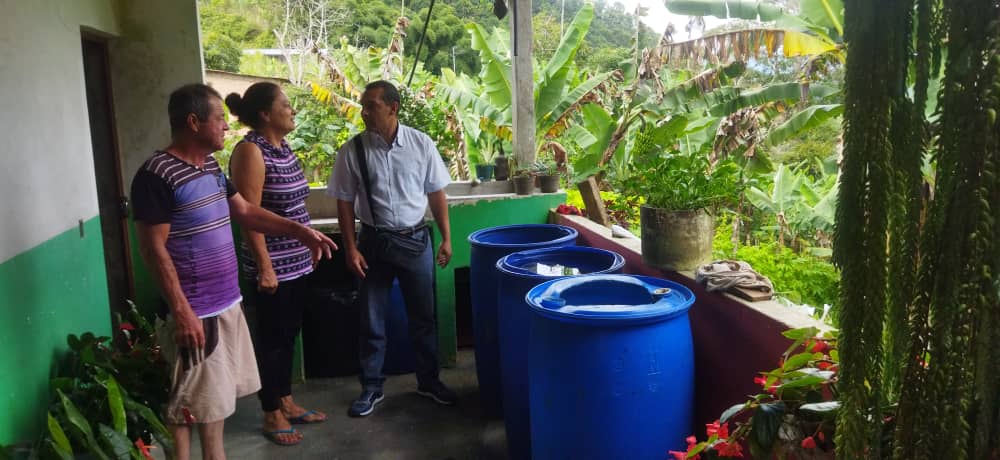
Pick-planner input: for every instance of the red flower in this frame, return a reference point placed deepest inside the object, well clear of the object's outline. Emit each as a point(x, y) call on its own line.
point(678, 455)
point(729, 449)
point(144, 448)
point(824, 365)
point(809, 443)
point(821, 436)
point(762, 381)
point(715, 428)
point(691, 440)
point(819, 347)
point(126, 327)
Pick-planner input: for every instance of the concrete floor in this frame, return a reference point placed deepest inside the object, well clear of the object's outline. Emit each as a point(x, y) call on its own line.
point(403, 426)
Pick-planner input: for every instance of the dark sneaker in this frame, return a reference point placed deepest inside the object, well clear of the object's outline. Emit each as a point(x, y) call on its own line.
point(438, 392)
point(365, 403)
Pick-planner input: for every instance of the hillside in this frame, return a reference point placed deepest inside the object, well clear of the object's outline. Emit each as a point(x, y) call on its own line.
point(229, 26)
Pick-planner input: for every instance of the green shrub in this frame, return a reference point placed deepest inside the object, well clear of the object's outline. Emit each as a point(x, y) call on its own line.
point(222, 53)
point(801, 278)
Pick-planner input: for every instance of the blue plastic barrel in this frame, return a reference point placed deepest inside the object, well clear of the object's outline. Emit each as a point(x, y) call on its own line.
point(400, 357)
point(518, 274)
point(487, 246)
point(612, 367)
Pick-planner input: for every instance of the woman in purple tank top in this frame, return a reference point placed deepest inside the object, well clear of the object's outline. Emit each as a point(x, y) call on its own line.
point(265, 171)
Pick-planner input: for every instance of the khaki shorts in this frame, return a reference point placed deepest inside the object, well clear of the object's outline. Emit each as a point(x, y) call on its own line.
point(204, 385)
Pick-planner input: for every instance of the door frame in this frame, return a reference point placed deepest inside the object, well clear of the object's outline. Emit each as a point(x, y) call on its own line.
point(103, 41)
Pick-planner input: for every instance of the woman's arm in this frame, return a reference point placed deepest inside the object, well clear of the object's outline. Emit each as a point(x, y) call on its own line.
point(248, 171)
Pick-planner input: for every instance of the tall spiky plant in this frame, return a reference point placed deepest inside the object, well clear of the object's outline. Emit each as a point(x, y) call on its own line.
point(860, 244)
point(943, 311)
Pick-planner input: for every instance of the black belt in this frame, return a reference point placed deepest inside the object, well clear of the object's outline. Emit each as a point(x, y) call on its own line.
point(408, 231)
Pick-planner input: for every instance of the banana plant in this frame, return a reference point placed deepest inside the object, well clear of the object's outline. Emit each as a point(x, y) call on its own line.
point(817, 31)
point(559, 89)
point(800, 205)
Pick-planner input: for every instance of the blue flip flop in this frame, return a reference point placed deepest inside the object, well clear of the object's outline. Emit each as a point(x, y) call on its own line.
point(301, 419)
point(274, 436)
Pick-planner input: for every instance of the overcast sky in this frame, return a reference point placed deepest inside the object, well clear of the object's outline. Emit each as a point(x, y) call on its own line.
point(658, 17)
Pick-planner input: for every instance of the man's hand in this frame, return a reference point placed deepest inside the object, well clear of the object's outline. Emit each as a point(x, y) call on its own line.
point(444, 253)
point(188, 332)
point(267, 281)
point(356, 262)
point(320, 245)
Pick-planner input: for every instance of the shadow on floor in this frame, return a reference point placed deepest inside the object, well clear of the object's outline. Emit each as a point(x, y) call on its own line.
point(404, 426)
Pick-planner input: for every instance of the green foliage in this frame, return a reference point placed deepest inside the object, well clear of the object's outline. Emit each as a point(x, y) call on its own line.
point(104, 392)
point(670, 179)
point(795, 206)
point(812, 145)
point(261, 65)
point(446, 30)
point(429, 116)
point(221, 52)
point(319, 131)
point(793, 416)
point(249, 23)
point(802, 278)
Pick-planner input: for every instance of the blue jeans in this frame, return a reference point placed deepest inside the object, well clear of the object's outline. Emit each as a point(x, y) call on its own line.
point(416, 281)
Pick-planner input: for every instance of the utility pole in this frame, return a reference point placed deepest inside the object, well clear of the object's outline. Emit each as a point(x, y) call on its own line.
point(453, 59)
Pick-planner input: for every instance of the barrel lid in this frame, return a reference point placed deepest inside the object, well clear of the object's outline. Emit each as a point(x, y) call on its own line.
point(584, 258)
point(524, 236)
point(610, 299)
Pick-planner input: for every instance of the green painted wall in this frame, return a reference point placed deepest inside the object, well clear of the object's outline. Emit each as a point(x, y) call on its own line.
point(54, 289)
point(467, 218)
point(147, 295)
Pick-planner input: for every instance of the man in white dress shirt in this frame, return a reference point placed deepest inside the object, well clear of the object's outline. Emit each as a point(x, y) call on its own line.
point(406, 175)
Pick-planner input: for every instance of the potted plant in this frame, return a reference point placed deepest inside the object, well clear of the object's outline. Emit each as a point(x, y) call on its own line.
point(487, 157)
point(682, 192)
point(548, 175)
point(501, 164)
point(524, 183)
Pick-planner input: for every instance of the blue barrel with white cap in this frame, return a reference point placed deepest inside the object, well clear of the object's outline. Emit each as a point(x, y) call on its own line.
point(612, 367)
point(519, 272)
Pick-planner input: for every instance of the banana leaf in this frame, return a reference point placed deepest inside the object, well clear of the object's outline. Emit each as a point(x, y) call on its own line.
point(496, 71)
point(807, 119)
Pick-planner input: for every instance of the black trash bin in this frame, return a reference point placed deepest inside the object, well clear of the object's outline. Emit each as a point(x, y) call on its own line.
point(330, 338)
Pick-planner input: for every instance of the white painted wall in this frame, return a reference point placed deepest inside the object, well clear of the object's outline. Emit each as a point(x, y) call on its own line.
point(159, 51)
point(46, 164)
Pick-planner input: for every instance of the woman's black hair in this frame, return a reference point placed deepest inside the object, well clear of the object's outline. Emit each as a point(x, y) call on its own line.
point(258, 98)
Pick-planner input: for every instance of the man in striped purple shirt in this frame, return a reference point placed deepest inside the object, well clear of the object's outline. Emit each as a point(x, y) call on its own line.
point(182, 203)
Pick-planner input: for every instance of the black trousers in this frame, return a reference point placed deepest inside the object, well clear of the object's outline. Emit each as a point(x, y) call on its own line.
point(278, 322)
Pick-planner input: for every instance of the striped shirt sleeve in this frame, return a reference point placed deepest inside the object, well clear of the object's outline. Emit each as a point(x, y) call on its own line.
point(152, 198)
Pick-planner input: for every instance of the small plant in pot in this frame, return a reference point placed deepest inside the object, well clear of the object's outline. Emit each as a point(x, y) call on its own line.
point(524, 183)
point(548, 175)
point(682, 191)
point(501, 164)
point(485, 165)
